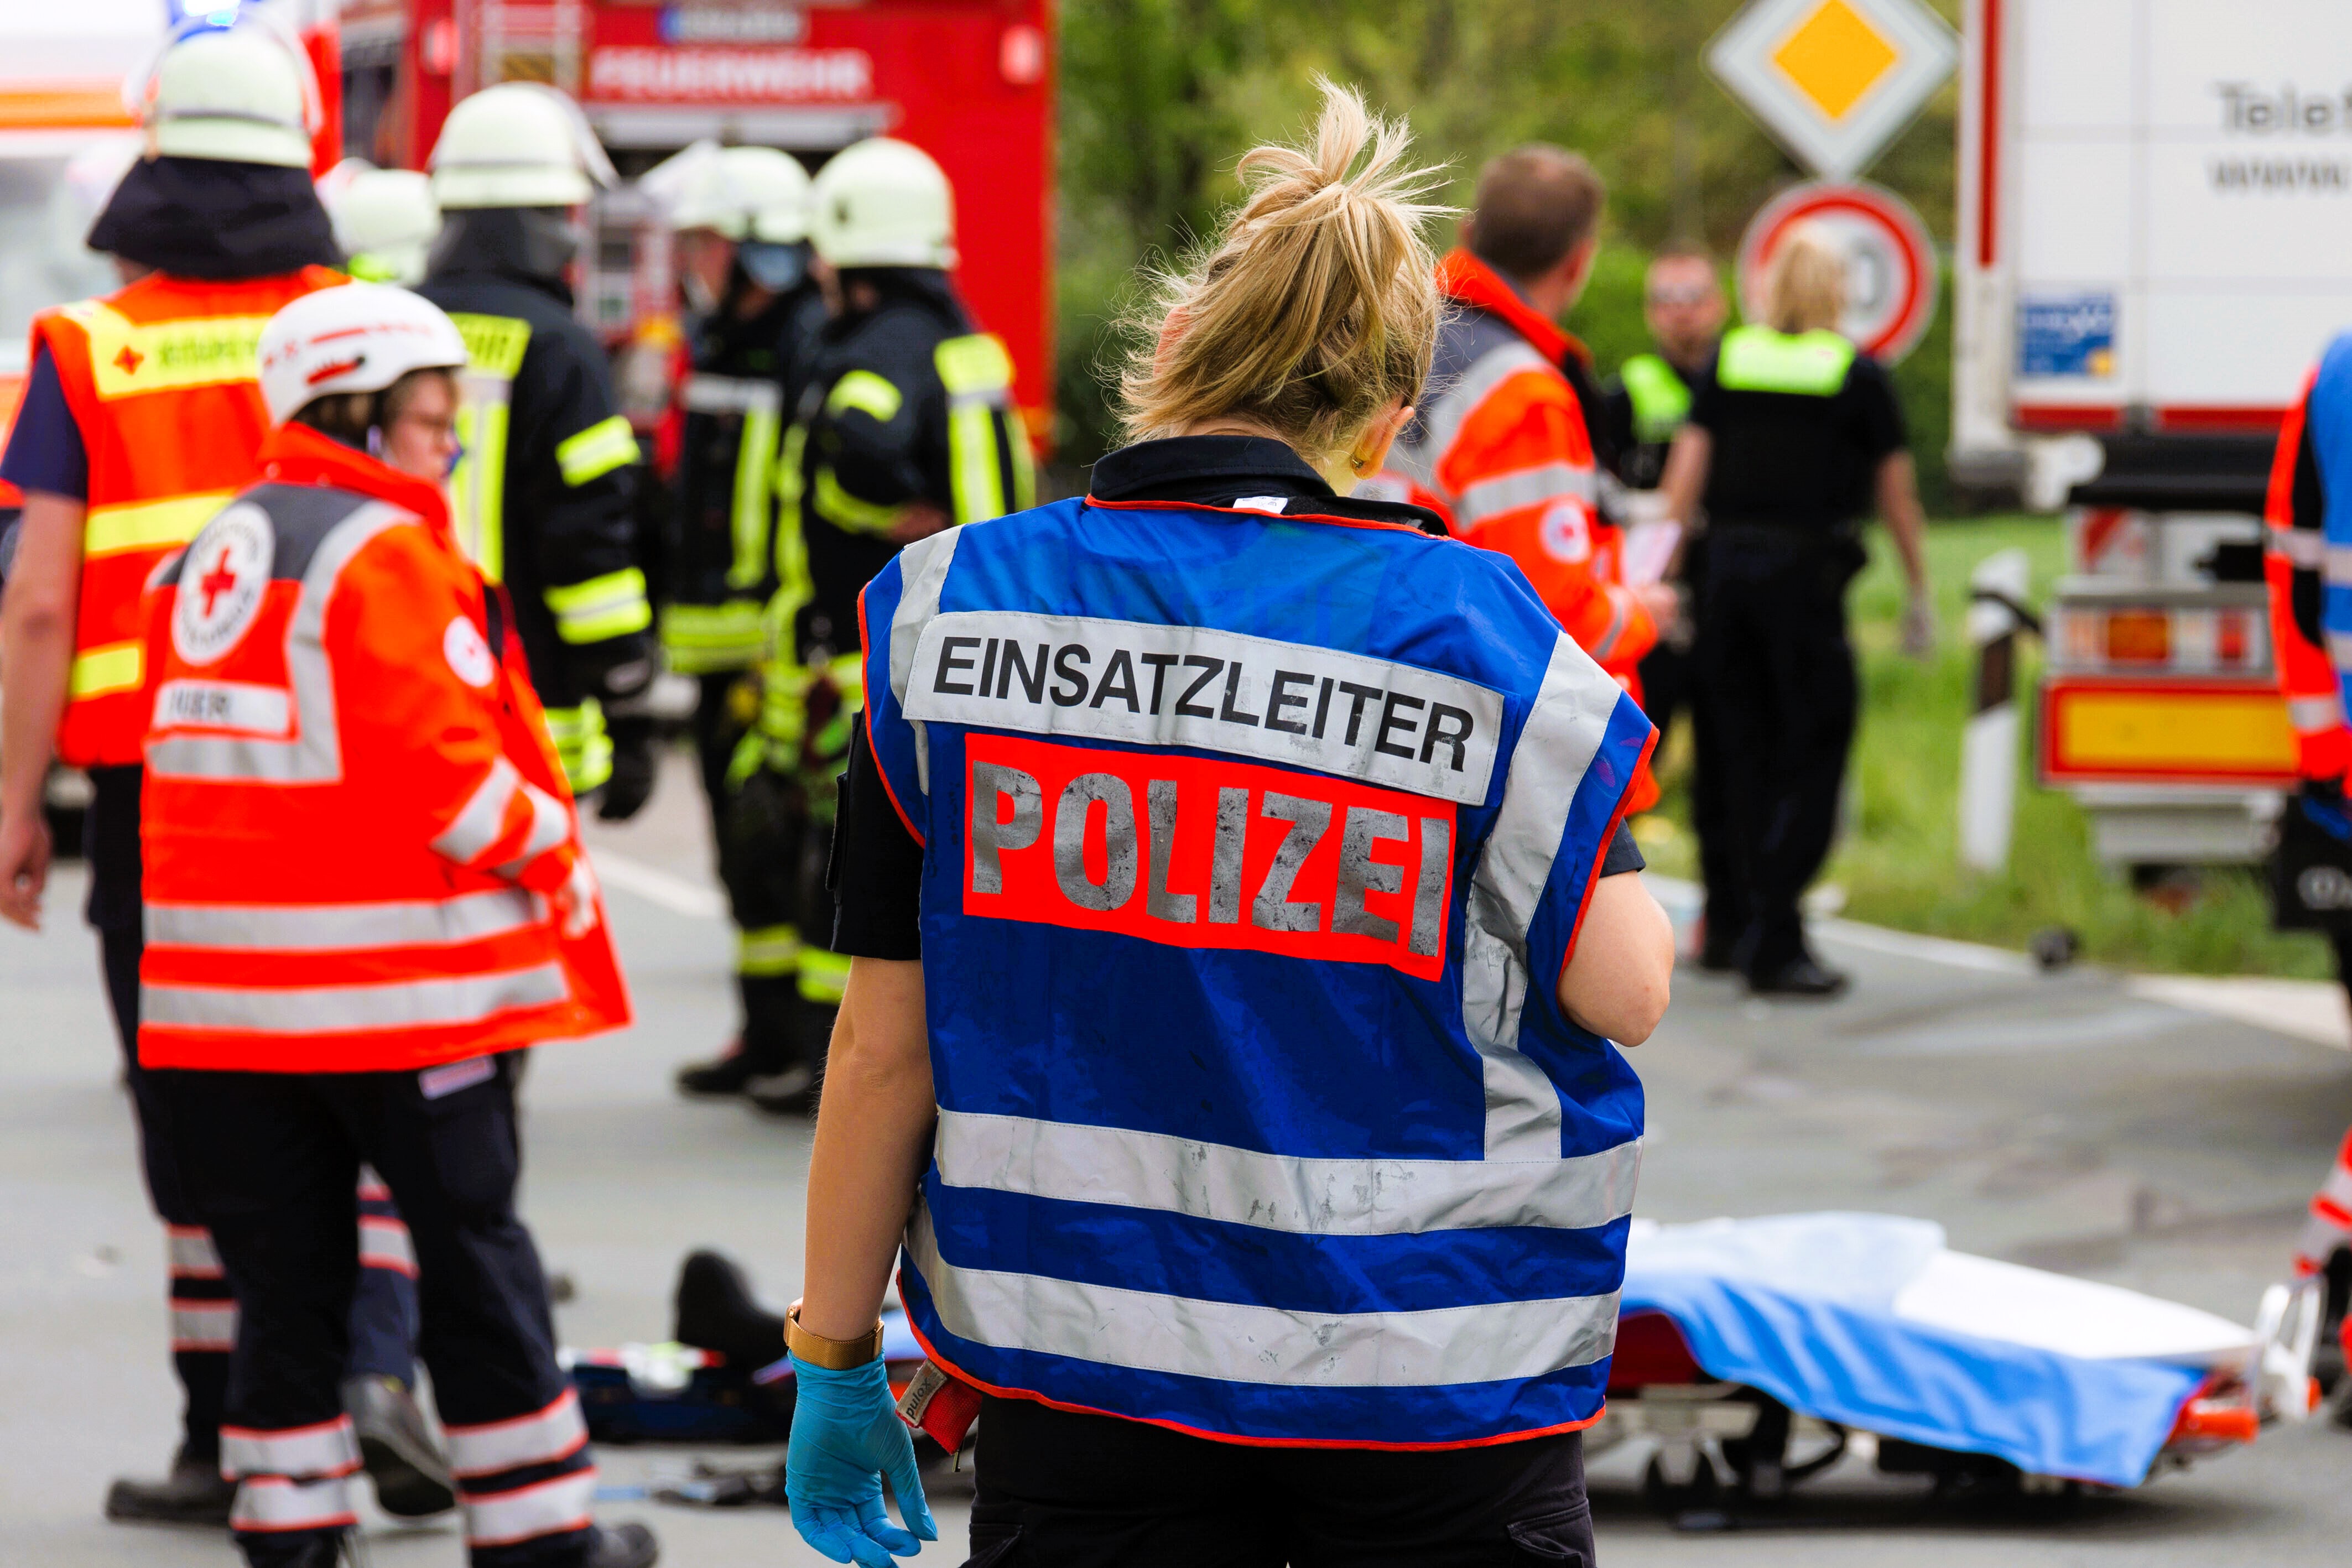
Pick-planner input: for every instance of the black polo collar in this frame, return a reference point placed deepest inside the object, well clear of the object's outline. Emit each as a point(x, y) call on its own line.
point(1220, 470)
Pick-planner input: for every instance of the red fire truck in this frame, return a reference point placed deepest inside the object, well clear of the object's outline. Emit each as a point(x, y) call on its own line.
point(970, 82)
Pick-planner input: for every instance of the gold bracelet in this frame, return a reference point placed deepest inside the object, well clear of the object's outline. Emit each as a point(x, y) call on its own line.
point(832, 1355)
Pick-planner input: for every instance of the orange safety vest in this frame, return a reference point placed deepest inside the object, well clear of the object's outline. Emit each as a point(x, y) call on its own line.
point(352, 815)
point(1501, 450)
point(2307, 678)
point(158, 377)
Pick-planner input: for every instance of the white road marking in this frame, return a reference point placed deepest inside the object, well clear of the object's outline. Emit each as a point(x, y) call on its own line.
point(697, 901)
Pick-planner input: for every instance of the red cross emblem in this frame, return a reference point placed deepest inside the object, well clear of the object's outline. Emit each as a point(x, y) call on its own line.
point(215, 582)
point(130, 358)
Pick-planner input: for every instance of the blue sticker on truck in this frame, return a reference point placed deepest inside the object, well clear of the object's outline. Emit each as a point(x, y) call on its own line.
point(2066, 335)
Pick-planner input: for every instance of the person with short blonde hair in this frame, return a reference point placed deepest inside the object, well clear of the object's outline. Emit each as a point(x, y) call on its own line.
point(1792, 441)
point(1218, 845)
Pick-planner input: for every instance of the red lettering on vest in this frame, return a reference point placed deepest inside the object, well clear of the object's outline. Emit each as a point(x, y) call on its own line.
point(1195, 851)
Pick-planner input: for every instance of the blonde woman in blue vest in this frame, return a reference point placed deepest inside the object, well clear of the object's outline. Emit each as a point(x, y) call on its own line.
point(1232, 873)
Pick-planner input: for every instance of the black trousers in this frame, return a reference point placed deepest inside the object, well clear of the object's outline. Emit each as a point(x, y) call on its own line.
point(1671, 685)
point(1058, 1490)
point(270, 1159)
point(1777, 689)
point(761, 901)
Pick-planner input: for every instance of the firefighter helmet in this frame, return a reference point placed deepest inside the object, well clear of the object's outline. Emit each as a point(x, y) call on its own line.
point(241, 95)
point(384, 219)
point(754, 193)
point(517, 144)
point(360, 338)
point(883, 202)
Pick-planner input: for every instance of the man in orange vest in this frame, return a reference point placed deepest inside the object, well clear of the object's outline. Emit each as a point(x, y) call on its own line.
point(1501, 446)
point(365, 889)
point(139, 418)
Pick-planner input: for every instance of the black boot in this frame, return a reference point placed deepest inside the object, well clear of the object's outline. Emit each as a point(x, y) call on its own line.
point(411, 1479)
point(193, 1493)
point(629, 1545)
point(722, 1076)
point(1802, 978)
point(716, 1311)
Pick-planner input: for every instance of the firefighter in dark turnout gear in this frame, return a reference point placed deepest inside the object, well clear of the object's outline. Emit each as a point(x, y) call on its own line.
point(740, 216)
point(543, 497)
point(906, 426)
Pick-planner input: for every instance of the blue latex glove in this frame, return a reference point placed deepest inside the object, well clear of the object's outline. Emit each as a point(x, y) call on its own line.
point(847, 1436)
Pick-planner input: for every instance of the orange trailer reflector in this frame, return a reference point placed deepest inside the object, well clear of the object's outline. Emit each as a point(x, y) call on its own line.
point(2200, 732)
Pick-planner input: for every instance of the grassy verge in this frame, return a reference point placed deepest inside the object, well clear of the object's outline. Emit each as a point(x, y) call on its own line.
point(1897, 859)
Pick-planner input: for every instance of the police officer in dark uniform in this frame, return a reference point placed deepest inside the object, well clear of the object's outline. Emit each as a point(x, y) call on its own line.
point(544, 498)
point(741, 216)
point(906, 426)
point(1794, 440)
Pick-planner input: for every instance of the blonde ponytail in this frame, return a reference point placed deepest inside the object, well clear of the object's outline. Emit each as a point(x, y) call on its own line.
point(1317, 307)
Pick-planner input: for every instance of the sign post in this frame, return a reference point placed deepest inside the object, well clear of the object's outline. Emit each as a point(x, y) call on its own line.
point(1890, 272)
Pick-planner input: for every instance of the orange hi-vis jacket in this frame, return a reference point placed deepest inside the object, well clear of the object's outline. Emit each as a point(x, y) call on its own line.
point(1500, 449)
point(2295, 567)
point(353, 817)
point(159, 379)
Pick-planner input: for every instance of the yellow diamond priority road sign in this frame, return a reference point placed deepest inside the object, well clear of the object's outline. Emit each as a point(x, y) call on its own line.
point(1835, 80)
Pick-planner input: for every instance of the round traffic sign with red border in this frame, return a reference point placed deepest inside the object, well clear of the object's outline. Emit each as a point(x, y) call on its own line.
point(1891, 273)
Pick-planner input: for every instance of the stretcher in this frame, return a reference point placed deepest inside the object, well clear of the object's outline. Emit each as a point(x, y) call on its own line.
point(1755, 1354)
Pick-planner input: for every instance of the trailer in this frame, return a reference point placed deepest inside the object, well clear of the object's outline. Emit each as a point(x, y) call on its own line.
point(2155, 202)
point(968, 82)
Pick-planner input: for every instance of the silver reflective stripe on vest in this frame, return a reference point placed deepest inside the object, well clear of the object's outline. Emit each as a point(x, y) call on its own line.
point(1525, 488)
point(2301, 547)
point(2339, 649)
point(2313, 715)
point(706, 394)
point(1282, 1192)
point(2338, 567)
point(1441, 423)
point(315, 753)
point(922, 573)
point(549, 826)
point(1272, 1345)
point(341, 927)
point(332, 1009)
point(1563, 732)
point(482, 818)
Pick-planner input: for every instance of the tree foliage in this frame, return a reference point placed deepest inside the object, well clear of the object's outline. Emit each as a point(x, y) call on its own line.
point(1160, 98)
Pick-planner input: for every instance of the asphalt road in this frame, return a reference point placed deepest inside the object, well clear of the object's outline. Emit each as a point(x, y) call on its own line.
point(2065, 1121)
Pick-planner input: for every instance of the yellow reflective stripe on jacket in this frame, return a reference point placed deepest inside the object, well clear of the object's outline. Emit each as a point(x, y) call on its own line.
point(824, 977)
point(148, 525)
point(613, 605)
point(1807, 364)
point(844, 510)
point(581, 744)
point(593, 452)
point(110, 667)
point(494, 352)
point(867, 392)
point(126, 360)
point(977, 373)
point(768, 952)
point(704, 639)
point(755, 471)
point(1661, 400)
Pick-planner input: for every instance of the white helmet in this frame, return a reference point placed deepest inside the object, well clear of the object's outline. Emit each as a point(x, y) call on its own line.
point(359, 337)
point(384, 219)
point(883, 202)
point(517, 144)
point(755, 193)
point(243, 94)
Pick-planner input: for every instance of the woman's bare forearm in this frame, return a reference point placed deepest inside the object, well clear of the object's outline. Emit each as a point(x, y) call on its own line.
point(873, 1140)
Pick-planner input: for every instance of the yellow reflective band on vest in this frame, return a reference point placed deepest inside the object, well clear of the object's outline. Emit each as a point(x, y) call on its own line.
point(112, 667)
point(868, 394)
point(148, 525)
point(977, 372)
point(768, 952)
point(824, 977)
point(613, 605)
point(1807, 364)
point(755, 470)
point(126, 360)
point(847, 512)
point(1661, 401)
point(592, 454)
point(704, 639)
point(581, 745)
point(494, 352)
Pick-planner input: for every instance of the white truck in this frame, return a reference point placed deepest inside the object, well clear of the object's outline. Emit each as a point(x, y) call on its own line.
point(2155, 243)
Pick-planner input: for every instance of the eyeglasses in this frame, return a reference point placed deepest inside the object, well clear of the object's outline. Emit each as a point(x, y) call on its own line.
point(1690, 293)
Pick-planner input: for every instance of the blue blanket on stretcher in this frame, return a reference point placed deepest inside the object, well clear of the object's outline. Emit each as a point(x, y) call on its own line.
point(1804, 1307)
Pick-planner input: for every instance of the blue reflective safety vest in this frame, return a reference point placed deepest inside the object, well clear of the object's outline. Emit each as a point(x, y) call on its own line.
point(1253, 847)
